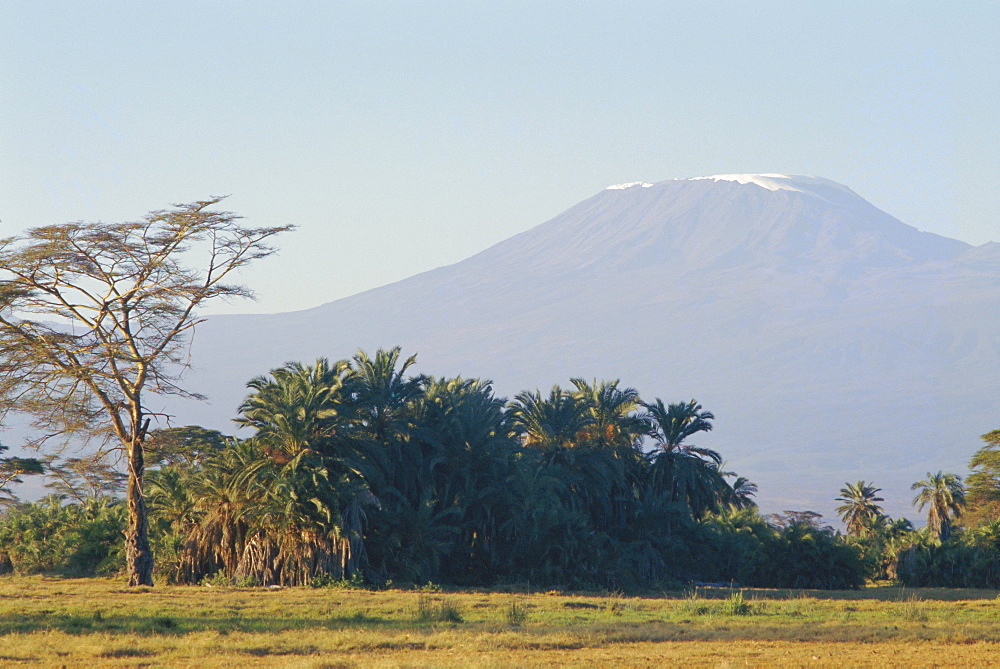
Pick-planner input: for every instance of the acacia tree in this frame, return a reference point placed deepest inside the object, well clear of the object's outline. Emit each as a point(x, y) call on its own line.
point(983, 483)
point(93, 321)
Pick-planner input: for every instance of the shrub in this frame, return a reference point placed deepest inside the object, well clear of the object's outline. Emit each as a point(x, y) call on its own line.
point(444, 611)
point(49, 537)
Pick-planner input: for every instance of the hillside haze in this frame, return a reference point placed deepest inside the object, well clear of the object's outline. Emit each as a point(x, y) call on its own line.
point(833, 342)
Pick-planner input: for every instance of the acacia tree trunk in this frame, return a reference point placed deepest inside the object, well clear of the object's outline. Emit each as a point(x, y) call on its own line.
point(138, 555)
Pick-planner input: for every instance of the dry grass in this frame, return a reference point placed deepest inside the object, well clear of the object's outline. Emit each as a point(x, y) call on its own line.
point(102, 623)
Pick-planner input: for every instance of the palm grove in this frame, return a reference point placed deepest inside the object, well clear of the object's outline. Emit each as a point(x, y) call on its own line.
point(363, 470)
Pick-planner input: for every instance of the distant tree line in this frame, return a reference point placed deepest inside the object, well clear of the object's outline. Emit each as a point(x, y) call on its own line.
point(363, 471)
point(960, 544)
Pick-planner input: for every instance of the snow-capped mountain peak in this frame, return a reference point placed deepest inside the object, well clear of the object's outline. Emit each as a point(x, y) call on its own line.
point(833, 341)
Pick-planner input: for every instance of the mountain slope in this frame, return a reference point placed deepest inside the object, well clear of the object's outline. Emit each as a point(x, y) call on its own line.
point(832, 341)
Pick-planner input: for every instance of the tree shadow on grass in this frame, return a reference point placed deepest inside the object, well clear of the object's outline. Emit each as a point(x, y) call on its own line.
point(179, 625)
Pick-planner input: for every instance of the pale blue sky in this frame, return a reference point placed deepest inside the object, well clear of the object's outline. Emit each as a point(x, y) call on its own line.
point(403, 136)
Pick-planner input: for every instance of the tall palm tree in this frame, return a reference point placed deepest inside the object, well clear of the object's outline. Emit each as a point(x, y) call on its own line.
point(690, 474)
point(945, 496)
point(673, 424)
point(384, 392)
point(563, 433)
point(382, 440)
point(859, 510)
point(615, 432)
point(467, 455)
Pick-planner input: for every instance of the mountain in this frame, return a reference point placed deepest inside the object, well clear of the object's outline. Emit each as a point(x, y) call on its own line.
point(833, 342)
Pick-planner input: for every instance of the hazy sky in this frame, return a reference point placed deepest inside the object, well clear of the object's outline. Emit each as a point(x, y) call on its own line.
point(404, 136)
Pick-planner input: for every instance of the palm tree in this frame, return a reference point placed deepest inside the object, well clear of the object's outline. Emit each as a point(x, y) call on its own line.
point(946, 497)
point(382, 439)
point(551, 423)
point(383, 392)
point(587, 440)
point(227, 490)
point(306, 521)
point(743, 489)
point(284, 506)
point(449, 490)
point(297, 530)
point(690, 474)
point(615, 433)
point(170, 499)
point(672, 425)
point(859, 510)
point(556, 429)
point(614, 413)
point(297, 407)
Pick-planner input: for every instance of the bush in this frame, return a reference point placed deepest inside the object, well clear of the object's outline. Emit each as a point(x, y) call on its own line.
point(445, 611)
point(49, 537)
point(970, 559)
point(747, 551)
point(736, 605)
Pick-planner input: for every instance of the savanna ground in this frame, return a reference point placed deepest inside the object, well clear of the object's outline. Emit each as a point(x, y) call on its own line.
point(99, 622)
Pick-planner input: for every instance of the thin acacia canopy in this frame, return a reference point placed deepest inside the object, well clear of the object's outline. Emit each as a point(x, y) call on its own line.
point(93, 314)
point(93, 319)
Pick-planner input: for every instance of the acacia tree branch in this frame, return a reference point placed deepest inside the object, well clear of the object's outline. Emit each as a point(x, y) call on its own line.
point(133, 324)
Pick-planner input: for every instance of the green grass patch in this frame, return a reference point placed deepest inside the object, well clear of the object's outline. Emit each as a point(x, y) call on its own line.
point(99, 621)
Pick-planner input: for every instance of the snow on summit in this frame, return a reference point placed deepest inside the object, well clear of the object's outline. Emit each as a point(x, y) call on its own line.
point(633, 184)
point(816, 186)
point(775, 182)
point(768, 181)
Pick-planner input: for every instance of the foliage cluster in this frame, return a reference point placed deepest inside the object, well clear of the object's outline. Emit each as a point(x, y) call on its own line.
point(359, 472)
point(362, 468)
point(78, 539)
point(746, 549)
point(968, 559)
point(959, 547)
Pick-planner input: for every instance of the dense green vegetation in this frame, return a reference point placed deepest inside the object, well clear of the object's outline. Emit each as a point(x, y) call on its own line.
point(363, 471)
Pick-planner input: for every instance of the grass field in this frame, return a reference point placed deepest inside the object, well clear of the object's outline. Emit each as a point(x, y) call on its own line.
point(96, 622)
